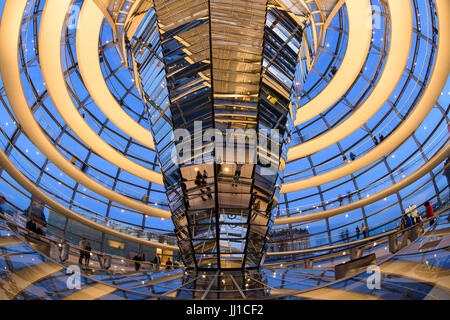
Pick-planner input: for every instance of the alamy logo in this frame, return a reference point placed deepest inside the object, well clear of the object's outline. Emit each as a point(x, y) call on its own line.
point(74, 279)
point(72, 21)
point(374, 280)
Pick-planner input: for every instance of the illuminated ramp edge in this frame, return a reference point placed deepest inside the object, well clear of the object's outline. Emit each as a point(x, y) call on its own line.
point(87, 44)
point(31, 187)
point(419, 272)
point(400, 44)
point(50, 35)
point(427, 167)
point(9, 67)
point(429, 97)
point(359, 40)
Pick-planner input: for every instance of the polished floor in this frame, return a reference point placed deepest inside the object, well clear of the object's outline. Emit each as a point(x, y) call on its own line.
point(419, 271)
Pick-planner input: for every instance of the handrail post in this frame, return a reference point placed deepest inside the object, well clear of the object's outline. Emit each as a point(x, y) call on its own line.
point(414, 233)
point(55, 251)
point(64, 252)
point(404, 240)
point(356, 253)
point(100, 261)
point(104, 261)
point(393, 243)
point(107, 261)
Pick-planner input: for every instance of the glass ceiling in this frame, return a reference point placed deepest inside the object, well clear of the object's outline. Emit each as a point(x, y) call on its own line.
point(417, 149)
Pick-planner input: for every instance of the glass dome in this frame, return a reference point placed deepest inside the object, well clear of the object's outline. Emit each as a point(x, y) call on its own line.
point(366, 121)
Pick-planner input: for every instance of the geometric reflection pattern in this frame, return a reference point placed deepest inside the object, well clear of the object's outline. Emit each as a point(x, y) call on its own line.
point(368, 134)
point(224, 72)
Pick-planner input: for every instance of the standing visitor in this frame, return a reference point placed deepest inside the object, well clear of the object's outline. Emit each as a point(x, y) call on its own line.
point(199, 183)
point(82, 245)
point(137, 265)
point(156, 262)
point(87, 254)
point(349, 197)
point(364, 230)
point(409, 221)
point(31, 225)
point(340, 200)
point(403, 222)
point(430, 211)
point(168, 264)
point(237, 174)
point(205, 182)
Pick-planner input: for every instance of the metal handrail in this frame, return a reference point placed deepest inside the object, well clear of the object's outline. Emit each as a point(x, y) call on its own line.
point(364, 240)
point(350, 276)
point(59, 240)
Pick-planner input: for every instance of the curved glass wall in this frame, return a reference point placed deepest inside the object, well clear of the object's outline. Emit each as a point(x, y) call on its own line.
point(384, 172)
point(33, 163)
point(430, 137)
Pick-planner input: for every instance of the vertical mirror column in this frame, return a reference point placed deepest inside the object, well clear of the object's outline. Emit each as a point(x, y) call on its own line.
point(216, 78)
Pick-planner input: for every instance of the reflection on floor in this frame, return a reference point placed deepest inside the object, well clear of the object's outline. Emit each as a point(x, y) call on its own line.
point(93, 292)
point(8, 240)
point(16, 282)
point(419, 272)
point(29, 274)
point(329, 294)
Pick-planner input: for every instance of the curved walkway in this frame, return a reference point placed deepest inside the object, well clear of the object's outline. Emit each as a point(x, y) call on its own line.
point(358, 45)
point(87, 44)
point(28, 185)
point(400, 46)
point(432, 92)
point(9, 68)
point(50, 35)
point(427, 167)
